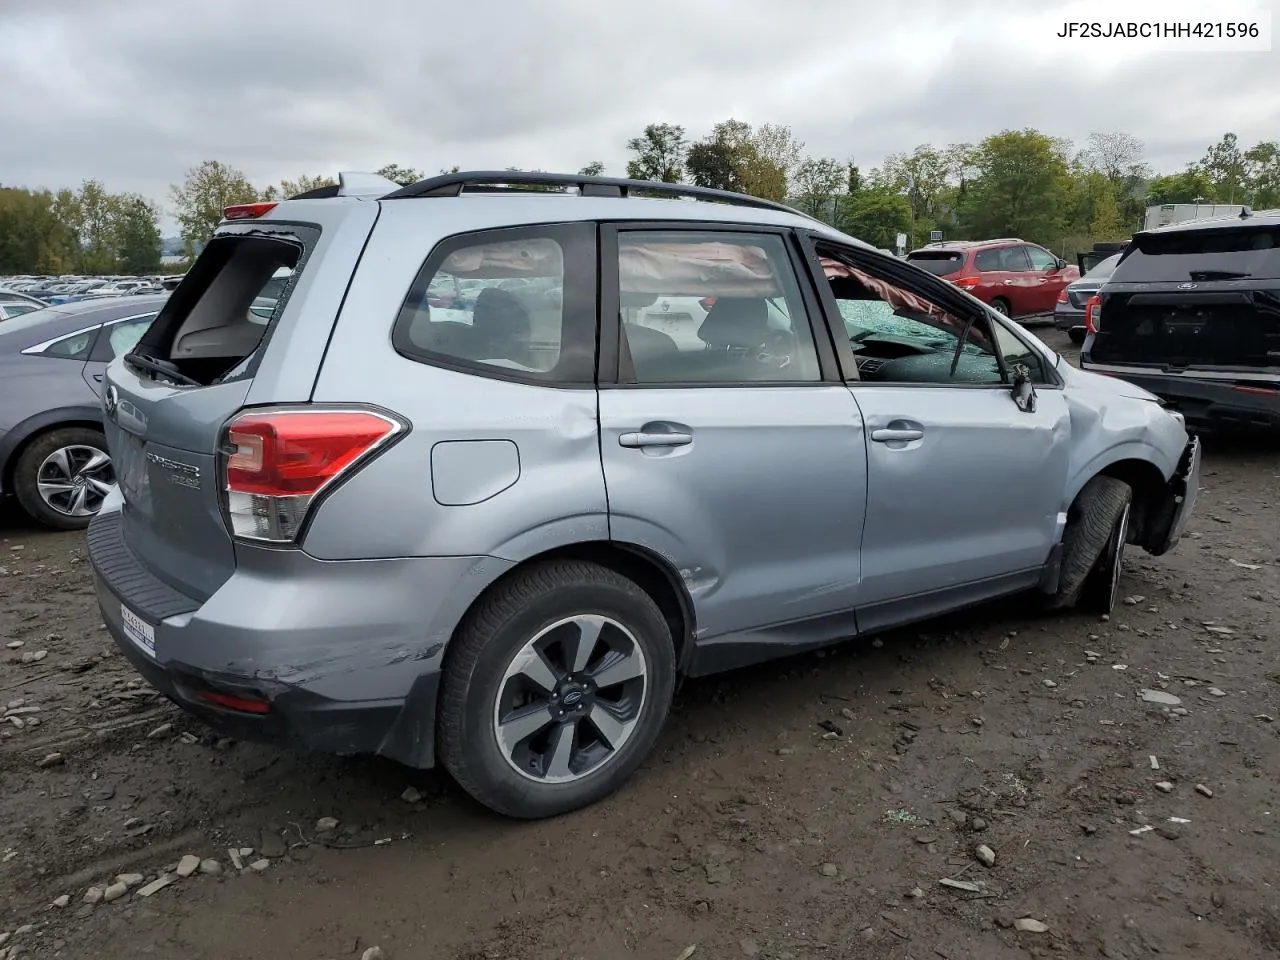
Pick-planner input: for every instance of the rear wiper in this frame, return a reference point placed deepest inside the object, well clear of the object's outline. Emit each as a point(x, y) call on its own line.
point(144, 361)
point(1207, 275)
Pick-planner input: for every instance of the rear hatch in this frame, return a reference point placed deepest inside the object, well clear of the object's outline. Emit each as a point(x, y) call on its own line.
point(215, 348)
point(1205, 299)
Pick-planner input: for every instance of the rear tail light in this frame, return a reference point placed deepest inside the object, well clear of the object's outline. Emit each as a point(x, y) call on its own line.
point(706, 303)
point(1062, 297)
point(967, 283)
point(278, 462)
point(247, 211)
point(1091, 311)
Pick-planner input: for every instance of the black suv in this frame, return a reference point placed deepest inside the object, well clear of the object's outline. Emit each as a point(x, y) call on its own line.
point(1192, 313)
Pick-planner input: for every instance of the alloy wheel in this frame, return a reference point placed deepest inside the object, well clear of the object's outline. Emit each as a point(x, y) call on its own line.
point(74, 480)
point(1116, 551)
point(570, 699)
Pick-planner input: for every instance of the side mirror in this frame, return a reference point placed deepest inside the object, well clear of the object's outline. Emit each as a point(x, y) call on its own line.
point(1024, 391)
point(1060, 264)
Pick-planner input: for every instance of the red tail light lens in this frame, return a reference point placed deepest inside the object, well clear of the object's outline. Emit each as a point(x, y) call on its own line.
point(968, 283)
point(247, 211)
point(1091, 311)
point(706, 303)
point(280, 460)
point(1062, 297)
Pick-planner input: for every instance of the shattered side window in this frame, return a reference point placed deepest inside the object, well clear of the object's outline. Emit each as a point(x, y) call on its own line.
point(900, 336)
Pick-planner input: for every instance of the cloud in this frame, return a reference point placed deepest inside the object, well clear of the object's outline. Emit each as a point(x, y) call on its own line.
point(138, 91)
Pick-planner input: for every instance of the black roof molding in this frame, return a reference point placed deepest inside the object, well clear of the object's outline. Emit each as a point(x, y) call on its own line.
point(504, 181)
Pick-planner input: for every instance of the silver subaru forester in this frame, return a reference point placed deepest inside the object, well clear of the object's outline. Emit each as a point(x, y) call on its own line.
point(482, 466)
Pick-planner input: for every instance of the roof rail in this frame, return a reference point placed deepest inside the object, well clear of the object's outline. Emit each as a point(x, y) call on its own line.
point(501, 181)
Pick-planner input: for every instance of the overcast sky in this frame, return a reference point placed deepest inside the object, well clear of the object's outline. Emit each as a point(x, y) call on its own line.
point(135, 92)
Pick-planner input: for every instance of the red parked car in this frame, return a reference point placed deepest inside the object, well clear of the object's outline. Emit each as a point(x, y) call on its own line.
point(1019, 279)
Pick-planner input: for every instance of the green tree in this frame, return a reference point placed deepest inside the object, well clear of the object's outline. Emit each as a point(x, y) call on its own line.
point(1020, 188)
point(720, 159)
point(291, 188)
point(776, 154)
point(659, 153)
point(593, 169)
point(138, 235)
point(97, 221)
point(34, 238)
point(876, 216)
point(1225, 165)
point(402, 175)
point(1192, 185)
point(1263, 171)
point(200, 199)
point(818, 183)
point(923, 175)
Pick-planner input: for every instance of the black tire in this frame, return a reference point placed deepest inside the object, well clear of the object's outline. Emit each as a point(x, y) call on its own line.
point(1001, 306)
point(485, 649)
point(26, 474)
point(1077, 335)
point(1092, 522)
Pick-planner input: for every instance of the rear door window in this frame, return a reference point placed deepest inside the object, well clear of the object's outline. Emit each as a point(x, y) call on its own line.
point(989, 261)
point(212, 326)
point(1219, 253)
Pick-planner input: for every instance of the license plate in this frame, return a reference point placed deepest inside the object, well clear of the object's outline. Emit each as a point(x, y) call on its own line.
point(138, 630)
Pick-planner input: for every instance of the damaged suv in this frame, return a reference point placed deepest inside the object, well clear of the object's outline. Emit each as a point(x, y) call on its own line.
point(463, 495)
point(1192, 313)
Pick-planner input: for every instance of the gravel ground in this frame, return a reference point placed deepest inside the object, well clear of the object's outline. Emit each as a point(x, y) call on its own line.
point(810, 808)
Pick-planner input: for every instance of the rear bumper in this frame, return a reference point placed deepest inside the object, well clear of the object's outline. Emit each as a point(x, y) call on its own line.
point(337, 656)
point(1067, 317)
point(1204, 402)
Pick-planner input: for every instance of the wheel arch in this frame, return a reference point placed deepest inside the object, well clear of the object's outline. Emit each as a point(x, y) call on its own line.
point(23, 434)
point(1146, 480)
point(650, 571)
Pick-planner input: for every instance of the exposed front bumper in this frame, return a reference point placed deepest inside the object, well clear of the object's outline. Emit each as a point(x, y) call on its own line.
point(337, 656)
point(1170, 515)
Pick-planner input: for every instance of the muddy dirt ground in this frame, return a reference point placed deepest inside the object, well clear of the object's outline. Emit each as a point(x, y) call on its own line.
point(753, 832)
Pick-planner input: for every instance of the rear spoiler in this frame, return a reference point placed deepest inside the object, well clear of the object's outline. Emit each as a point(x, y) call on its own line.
point(352, 184)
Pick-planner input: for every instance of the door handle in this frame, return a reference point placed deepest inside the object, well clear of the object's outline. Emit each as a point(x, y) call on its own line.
point(97, 378)
point(644, 439)
point(1009, 283)
point(889, 434)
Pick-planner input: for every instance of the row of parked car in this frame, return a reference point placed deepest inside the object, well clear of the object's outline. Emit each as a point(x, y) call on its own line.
point(68, 289)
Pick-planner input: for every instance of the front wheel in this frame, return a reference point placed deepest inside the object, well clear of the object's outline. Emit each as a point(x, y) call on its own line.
point(1001, 306)
point(63, 476)
point(556, 690)
point(1093, 546)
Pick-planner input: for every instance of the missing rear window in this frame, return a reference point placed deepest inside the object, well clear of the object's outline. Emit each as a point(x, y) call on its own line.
point(215, 322)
